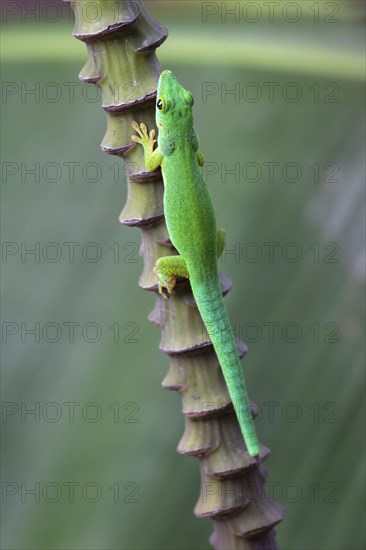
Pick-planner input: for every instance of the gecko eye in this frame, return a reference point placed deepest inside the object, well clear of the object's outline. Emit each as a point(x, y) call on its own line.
point(159, 104)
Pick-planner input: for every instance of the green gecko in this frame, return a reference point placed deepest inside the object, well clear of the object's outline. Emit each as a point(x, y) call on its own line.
point(191, 224)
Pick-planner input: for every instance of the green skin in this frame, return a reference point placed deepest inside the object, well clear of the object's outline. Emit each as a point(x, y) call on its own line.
point(191, 224)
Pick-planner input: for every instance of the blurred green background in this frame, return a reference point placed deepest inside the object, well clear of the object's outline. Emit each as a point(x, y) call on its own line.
point(102, 423)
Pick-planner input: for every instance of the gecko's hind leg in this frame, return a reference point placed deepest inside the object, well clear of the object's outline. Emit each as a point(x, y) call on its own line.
point(221, 236)
point(167, 269)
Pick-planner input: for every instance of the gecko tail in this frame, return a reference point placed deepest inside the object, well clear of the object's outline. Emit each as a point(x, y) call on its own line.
point(211, 306)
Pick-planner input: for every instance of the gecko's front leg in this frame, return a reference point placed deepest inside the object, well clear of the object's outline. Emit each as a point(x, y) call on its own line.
point(147, 140)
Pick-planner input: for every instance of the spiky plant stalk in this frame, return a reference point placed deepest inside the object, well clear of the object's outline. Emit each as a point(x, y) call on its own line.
point(121, 40)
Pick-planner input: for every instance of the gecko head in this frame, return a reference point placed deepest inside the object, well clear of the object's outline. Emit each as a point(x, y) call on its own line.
point(173, 102)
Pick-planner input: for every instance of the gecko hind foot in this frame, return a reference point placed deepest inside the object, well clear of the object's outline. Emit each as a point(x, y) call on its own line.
point(167, 282)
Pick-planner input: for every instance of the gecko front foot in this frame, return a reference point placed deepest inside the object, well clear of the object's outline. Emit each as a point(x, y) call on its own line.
point(147, 140)
point(165, 281)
